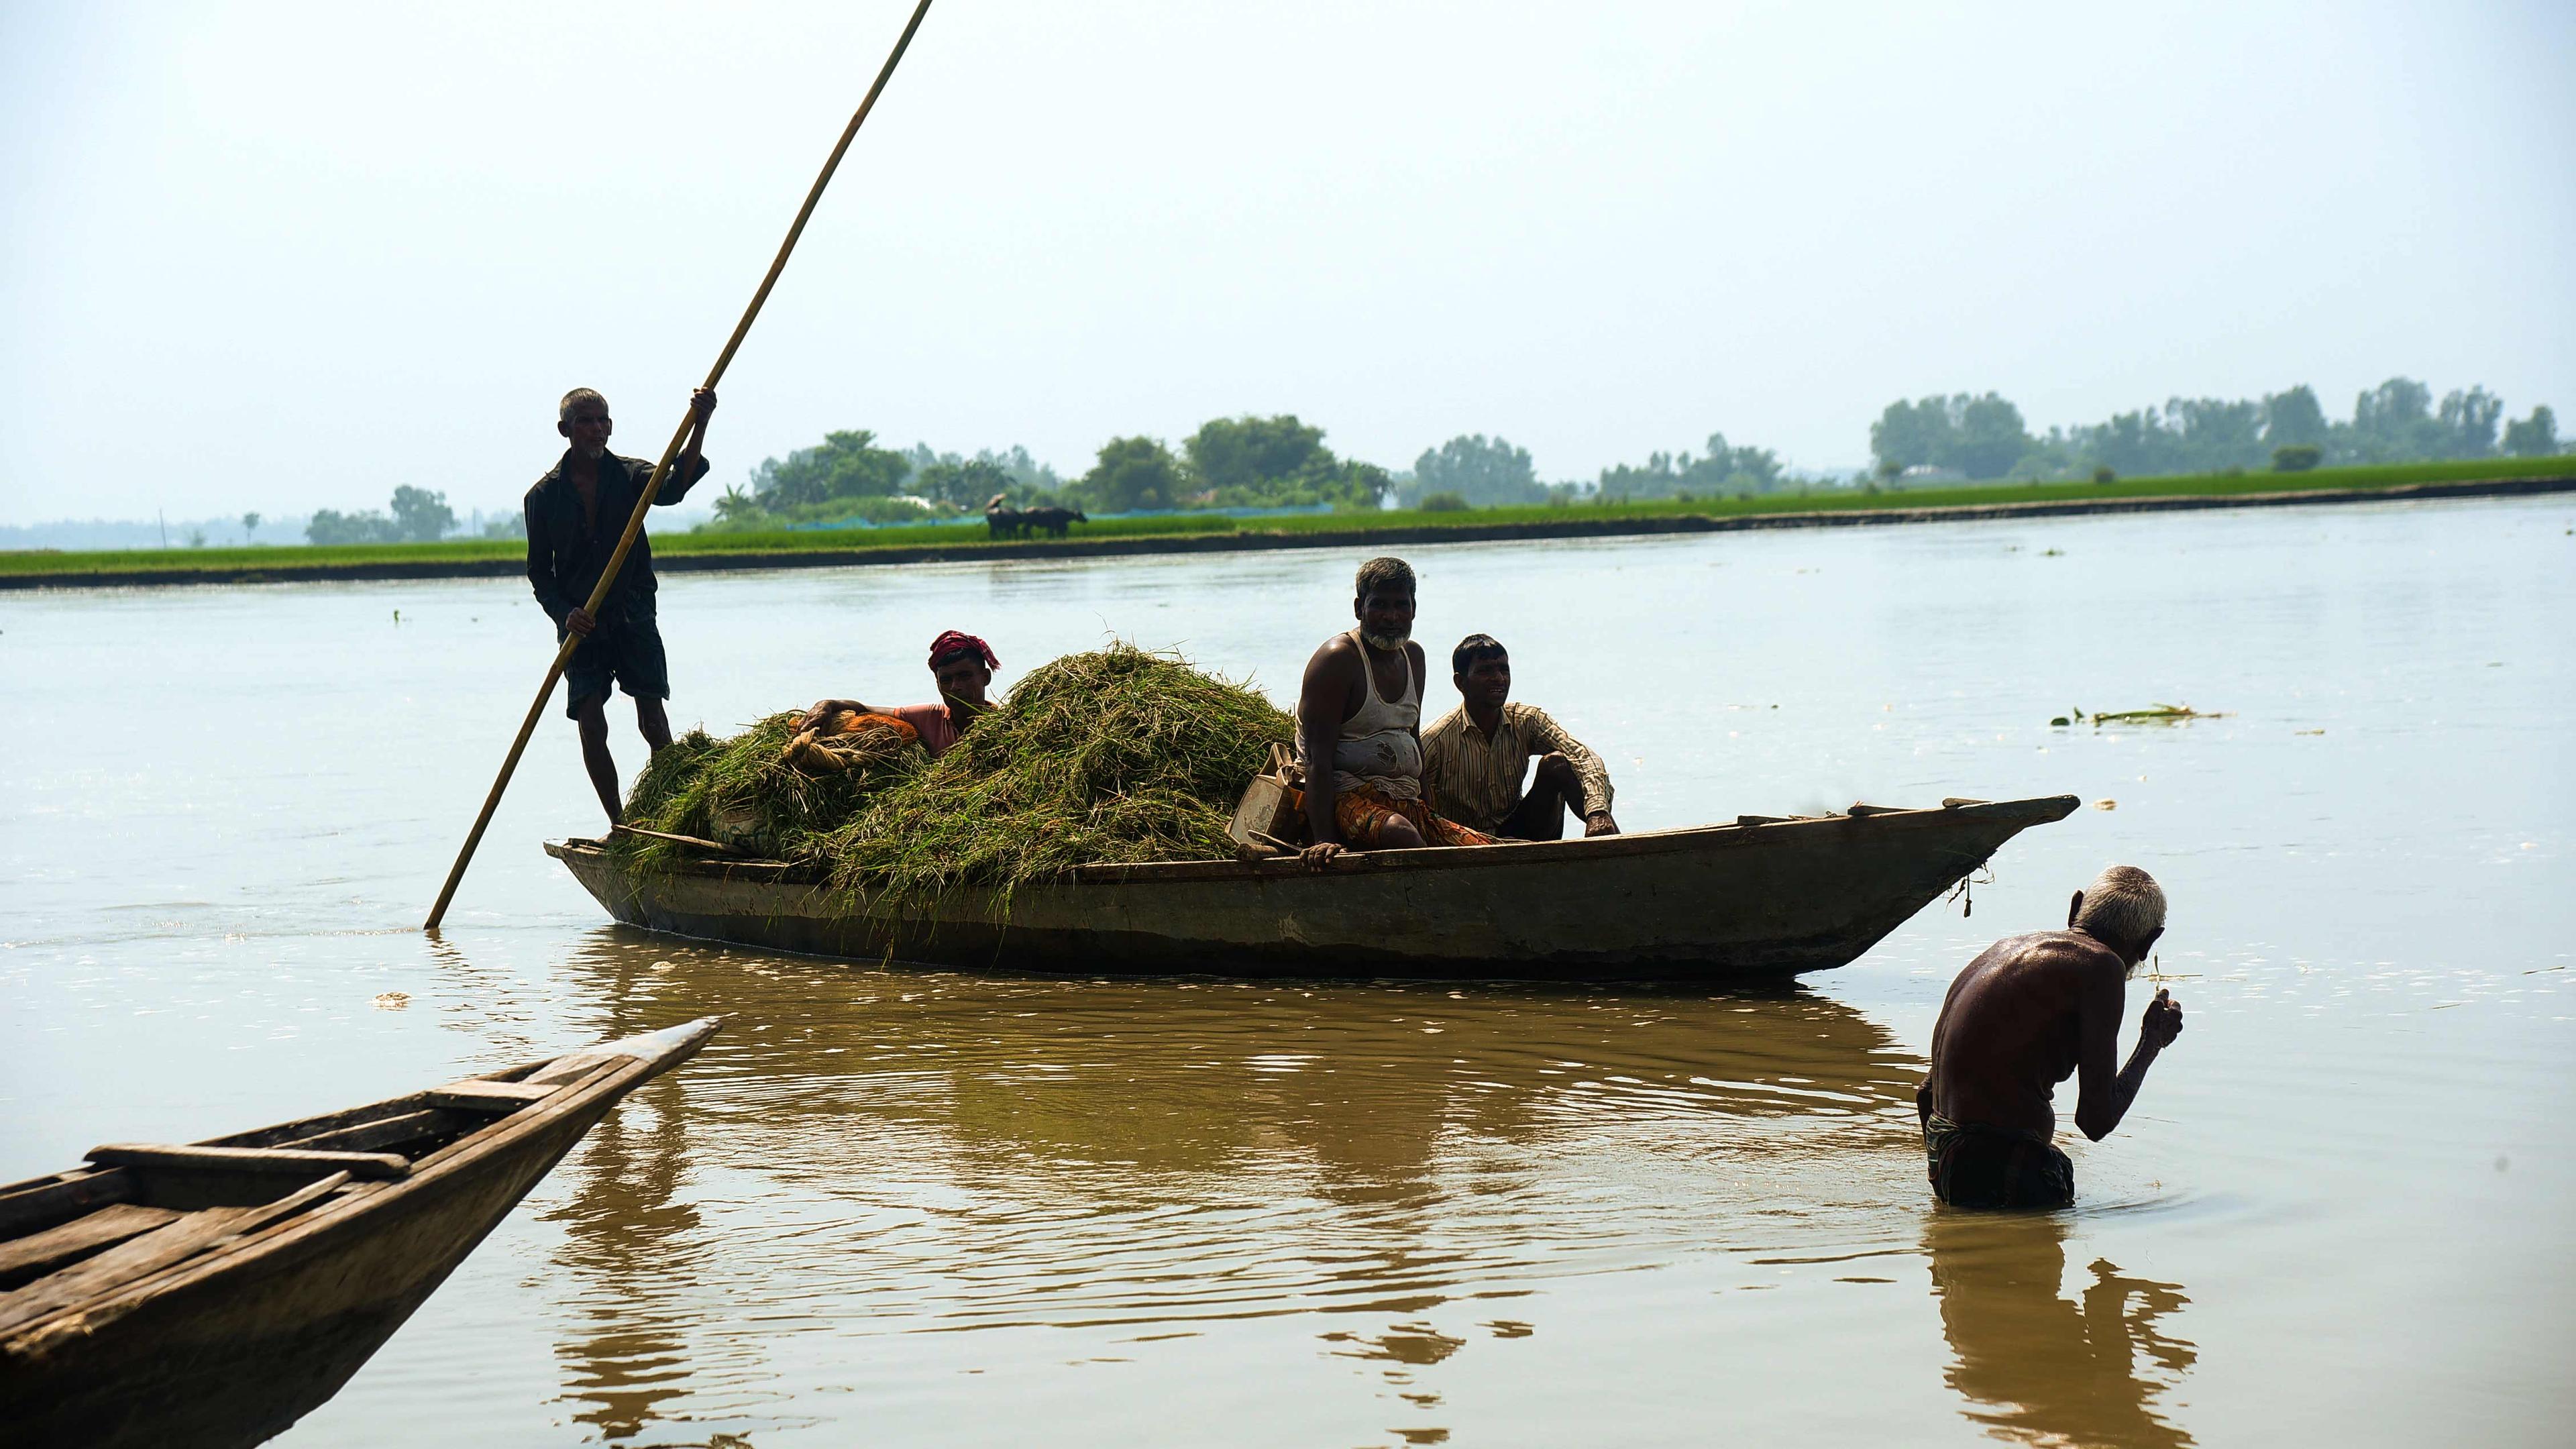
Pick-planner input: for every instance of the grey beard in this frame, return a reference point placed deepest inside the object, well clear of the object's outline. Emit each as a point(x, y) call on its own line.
point(1385, 641)
point(594, 452)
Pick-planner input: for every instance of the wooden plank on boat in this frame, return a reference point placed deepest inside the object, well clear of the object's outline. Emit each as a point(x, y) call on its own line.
point(376, 1165)
point(381, 1133)
point(65, 1195)
point(1960, 802)
point(163, 1247)
point(1863, 812)
point(40, 1253)
point(482, 1096)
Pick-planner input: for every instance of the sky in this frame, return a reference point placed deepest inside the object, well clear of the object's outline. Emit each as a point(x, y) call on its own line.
point(282, 256)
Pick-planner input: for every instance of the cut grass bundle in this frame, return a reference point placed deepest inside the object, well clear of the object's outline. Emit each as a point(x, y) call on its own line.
point(1120, 755)
point(744, 793)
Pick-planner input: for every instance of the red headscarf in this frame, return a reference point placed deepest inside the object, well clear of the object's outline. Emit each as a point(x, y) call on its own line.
point(954, 643)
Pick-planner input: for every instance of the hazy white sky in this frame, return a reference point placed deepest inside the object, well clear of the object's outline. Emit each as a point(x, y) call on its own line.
point(279, 256)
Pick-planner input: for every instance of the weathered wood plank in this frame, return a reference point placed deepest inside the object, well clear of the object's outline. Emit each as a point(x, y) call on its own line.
point(286, 1132)
point(383, 1132)
point(376, 1165)
point(480, 1096)
point(172, 1243)
point(47, 1201)
point(40, 1253)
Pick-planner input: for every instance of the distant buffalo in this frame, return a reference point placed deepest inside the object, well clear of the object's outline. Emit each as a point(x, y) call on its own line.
point(1004, 520)
point(1054, 520)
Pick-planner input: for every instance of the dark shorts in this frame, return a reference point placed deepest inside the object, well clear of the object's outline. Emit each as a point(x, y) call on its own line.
point(1995, 1168)
point(628, 651)
point(1539, 816)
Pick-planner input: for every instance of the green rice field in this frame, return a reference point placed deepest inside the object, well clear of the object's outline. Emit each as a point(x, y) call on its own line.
point(46, 566)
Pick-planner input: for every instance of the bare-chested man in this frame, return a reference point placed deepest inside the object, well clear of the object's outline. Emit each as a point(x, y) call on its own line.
point(1359, 729)
point(2027, 1014)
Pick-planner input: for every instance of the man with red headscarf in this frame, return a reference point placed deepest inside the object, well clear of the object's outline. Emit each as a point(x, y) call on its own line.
point(963, 665)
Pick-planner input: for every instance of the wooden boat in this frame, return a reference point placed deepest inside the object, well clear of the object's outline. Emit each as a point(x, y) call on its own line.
point(1764, 895)
point(214, 1293)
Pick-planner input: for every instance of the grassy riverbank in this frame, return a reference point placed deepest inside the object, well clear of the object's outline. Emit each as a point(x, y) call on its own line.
point(496, 556)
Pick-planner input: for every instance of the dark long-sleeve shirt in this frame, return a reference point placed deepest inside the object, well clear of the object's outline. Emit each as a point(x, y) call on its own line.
point(567, 553)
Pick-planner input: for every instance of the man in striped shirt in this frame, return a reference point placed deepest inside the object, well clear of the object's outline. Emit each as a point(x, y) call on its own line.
point(1477, 755)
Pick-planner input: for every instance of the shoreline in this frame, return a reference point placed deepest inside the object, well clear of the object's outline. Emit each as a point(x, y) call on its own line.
point(1250, 541)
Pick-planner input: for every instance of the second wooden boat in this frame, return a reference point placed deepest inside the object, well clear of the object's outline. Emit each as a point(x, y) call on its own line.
point(213, 1293)
point(1764, 895)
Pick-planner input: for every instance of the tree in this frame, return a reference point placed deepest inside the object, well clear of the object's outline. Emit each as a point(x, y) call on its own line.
point(2533, 437)
point(328, 526)
point(1989, 436)
point(1910, 435)
point(967, 484)
point(1248, 452)
point(1482, 472)
point(2293, 419)
point(2393, 423)
point(2468, 423)
point(1132, 474)
point(1721, 470)
point(250, 525)
point(421, 516)
point(843, 465)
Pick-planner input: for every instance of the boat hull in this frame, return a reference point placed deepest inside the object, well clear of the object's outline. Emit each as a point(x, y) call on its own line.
point(236, 1359)
point(234, 1348)
point(1749, 899)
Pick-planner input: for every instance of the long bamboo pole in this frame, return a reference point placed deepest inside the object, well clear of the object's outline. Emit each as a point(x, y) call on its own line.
point(661, 470)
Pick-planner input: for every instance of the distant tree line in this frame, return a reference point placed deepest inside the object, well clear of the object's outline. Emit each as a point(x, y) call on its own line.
point(1258, 462)
point(416, 516)
point(1984, 437)
point(1281, 461)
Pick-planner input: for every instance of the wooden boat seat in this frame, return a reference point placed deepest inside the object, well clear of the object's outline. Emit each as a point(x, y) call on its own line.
point(477, 1095)
point(369, 1165)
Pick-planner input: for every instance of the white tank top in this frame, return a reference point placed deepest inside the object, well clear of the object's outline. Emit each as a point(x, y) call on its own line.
point(1380, 746)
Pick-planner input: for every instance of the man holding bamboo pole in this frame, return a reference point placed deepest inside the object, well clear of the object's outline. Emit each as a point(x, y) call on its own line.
point(575, 513)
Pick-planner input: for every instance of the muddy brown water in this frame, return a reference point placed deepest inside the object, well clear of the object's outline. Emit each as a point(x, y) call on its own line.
point(889, 1206)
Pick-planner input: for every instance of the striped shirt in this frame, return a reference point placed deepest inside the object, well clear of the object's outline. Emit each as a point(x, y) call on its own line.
point(1477, 780)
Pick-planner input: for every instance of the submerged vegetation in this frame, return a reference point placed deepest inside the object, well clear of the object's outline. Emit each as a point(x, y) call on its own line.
point(1121, 755)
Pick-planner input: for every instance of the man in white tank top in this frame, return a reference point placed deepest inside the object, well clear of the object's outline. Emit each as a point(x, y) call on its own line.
point(1359, 729)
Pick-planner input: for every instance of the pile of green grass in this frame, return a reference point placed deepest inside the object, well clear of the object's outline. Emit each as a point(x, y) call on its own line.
point(1120, 755)
point(742, 792)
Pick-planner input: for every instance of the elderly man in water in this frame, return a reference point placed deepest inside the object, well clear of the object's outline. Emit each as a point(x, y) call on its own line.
point(2028, 1013)
point(962, 665)
point(1359, 729)
point(1476, 757)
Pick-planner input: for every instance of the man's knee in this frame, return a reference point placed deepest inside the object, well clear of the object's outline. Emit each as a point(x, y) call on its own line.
point(591, 717)
point(1399, 834)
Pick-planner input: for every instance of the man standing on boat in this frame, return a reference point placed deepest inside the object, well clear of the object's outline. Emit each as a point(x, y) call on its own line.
point(1359, 729)
point(1476, 757)
point(962, 665)
point(576, 514)
point(2026, 1014)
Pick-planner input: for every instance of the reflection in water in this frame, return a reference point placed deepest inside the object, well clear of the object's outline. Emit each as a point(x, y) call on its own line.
point(627, 1234)
point(887, 1152)
point(2037, 1367)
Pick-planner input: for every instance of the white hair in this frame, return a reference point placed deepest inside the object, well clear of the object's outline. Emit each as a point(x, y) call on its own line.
point(2122, 907)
